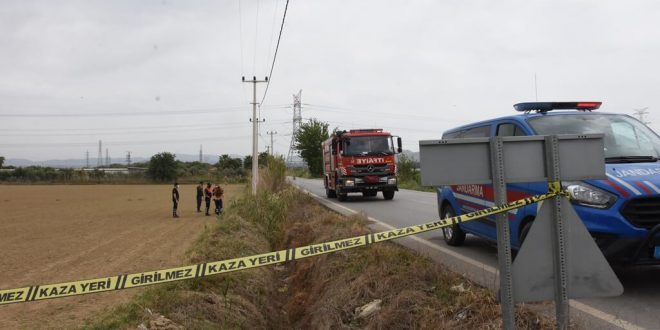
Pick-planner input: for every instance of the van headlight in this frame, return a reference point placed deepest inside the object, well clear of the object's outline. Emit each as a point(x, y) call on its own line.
point(585, 194)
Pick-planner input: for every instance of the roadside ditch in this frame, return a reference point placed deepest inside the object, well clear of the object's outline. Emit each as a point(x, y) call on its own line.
point(381, 286)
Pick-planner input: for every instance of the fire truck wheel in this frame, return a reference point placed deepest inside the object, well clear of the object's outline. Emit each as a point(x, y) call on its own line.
point(330, 193)
point(388, 194)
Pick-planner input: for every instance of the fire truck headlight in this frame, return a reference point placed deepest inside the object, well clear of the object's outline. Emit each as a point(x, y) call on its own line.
point(349, 183)
point(383, 179)
point(391, 181)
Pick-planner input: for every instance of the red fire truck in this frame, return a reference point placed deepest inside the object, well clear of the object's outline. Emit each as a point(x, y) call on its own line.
point(360, 160)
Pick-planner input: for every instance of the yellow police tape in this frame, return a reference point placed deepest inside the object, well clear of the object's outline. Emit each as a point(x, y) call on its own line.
point(120, 282)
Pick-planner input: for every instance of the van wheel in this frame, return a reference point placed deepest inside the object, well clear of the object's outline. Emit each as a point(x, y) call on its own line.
point(454, 235)
point(388, 195)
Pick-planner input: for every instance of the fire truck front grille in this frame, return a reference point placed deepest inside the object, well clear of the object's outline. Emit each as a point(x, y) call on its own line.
point(370, 169)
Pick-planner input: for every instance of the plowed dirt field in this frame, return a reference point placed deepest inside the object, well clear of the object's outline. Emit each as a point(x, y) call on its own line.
point(58, 233)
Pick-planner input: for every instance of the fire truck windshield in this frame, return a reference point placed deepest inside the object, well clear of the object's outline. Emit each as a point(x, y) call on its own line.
point(368, 145)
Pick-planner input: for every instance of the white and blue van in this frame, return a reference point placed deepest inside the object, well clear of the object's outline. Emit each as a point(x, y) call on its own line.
point(622, 212)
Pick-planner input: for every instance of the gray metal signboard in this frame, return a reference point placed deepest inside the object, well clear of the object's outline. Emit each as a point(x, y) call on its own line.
point(467, 161)
point(544, 269)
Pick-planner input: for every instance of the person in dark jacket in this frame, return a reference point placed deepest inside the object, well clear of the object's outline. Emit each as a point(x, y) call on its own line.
point(200, 194)
point(208, 192)
point(175, 199)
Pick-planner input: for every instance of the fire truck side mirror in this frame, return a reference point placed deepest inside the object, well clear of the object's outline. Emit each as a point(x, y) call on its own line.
point(399, 149)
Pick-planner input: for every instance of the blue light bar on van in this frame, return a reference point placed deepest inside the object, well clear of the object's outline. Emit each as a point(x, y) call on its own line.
point(548, 106)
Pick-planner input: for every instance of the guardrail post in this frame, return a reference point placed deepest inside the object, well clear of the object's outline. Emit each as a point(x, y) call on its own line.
point(558, 236)
point(503, 235)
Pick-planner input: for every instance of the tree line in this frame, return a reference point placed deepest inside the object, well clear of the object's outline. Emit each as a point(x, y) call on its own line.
point(162, 167)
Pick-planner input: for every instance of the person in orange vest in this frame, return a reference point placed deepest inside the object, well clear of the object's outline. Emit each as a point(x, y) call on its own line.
point(218, 193)
point(208, 192)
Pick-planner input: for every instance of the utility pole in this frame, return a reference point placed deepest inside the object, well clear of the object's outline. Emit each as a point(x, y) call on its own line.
point(255, 132)
point(99, 160)
point(272, 147)
point(87, 159)
point(639, 113)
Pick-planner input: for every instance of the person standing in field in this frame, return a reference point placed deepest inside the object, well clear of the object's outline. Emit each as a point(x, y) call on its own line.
point(208, 192)
point(175, 200)
point(200, 194)
point(218, 192)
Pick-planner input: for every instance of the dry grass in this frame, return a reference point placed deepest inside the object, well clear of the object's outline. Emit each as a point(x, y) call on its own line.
point(313, 293)
point(241, 300)
point(415, 292)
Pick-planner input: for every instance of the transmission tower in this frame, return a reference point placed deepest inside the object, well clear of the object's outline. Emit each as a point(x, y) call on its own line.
point(128, 158)
point(99, 159)
point(201, 155)
point(639, 113)
point(107, 158)
point(87, 159)
point(293, 159)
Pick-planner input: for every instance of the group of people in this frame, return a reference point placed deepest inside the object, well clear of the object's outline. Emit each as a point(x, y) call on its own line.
point(208, 193)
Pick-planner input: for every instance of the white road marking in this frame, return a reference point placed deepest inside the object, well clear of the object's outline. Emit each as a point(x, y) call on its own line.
point(601, 315)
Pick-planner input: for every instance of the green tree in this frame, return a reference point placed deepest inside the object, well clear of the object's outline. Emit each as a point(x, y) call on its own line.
point(2, 161)
point(225, 162)
point(308, 142)
point(162, 167)
point(407, 170)
point(247, 162)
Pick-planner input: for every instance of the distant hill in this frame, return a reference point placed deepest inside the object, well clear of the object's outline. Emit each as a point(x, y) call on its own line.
point(80, 163)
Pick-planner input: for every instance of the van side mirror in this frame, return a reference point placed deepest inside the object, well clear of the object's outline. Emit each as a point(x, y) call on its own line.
point(399, 149)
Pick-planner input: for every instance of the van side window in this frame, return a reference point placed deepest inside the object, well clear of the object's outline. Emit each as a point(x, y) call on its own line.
point(452, 135)
point(482, 131)
point(509, 130)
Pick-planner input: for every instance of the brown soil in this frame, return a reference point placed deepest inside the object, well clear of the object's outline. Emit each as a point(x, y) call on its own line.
point(54, 234)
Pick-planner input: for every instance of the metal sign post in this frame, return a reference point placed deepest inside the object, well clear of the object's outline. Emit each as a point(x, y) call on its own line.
point(503, 235)
point(558, 236)
point(559, 259)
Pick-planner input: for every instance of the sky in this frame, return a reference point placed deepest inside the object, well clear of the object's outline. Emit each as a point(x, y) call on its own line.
point(154, 76)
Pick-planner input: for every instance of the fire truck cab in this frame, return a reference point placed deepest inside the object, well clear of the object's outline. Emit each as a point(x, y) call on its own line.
point(360, 160)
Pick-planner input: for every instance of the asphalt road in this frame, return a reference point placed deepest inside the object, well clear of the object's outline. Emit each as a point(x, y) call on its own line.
point(638, 307)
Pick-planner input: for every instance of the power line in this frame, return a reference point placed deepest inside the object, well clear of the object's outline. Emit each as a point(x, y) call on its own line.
point(380, 113)
point(272, 31)
point(270, 75)
point(256, 38)
point(124, 132)
point(136, 113)
point(124, 143)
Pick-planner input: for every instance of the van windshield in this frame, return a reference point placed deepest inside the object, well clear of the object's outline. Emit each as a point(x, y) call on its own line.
point(368, 145)
point(626, 139)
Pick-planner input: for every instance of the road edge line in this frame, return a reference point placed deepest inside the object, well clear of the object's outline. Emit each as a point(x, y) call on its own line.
point(582, 307)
